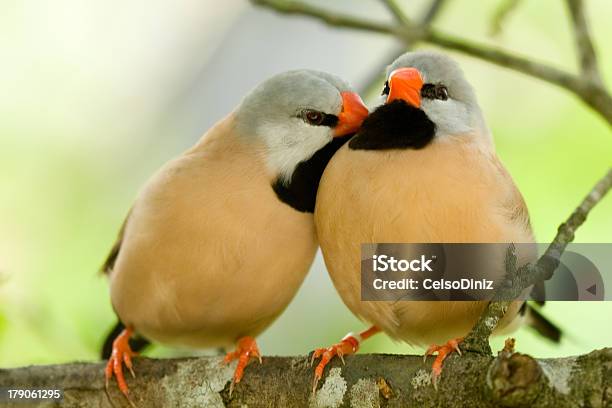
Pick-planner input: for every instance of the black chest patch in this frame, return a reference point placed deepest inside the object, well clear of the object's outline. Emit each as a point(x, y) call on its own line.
point(396, 125)
point(301, 192)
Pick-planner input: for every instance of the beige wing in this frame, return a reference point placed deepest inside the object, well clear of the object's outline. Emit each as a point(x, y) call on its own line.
point(517, 215)
point(513, 203)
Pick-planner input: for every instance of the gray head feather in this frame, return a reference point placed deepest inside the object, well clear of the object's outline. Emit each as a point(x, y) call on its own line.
point(270, 113)
point(460, 113)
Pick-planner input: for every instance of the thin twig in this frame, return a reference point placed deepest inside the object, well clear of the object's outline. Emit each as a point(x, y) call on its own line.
point(397, 12)
point(504, 59)
point(432, 11)
point(333, 19)
point(549, 261)
point(527, 275)
point(501, 14)
point(374, 79)
point(592, 93)
point(584, 45)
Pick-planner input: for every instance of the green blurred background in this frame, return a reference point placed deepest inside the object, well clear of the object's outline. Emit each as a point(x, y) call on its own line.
point(95, 95)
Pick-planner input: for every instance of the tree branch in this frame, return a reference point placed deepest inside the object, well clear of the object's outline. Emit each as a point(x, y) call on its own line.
point(584, 46)
point(504, 59)
point(527, 275)
point(593, 94)
point(511, 379)
point(333, 19)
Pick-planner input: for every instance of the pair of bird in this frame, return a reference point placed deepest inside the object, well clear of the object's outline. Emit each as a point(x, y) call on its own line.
point(220, 239)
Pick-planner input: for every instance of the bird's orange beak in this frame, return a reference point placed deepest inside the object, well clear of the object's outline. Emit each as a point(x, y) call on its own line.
point(353, 114)
point(405, 84)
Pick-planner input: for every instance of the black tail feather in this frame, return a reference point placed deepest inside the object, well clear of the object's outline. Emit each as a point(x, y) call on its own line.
point(136, 343)
point(542, 325)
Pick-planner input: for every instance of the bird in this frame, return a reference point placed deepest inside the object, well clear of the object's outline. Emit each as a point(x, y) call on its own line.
point(421, 169)
point(220, 238)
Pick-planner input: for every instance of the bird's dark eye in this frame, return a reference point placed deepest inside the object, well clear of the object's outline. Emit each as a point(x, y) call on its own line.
point(386, 89)
point(441, 92)
point(428, 91)
point(318, 118)
point(434, 91)
point(314, 117)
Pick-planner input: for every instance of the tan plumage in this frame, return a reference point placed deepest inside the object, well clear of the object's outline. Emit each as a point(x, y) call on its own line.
point(454, 190)
point(206, 244)
point(422, 169)
point(219, 240)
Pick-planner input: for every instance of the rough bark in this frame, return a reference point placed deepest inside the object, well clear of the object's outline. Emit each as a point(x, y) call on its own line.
point(375, 380)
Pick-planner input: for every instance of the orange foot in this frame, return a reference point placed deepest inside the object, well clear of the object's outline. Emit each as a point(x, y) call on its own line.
point(247, 348)
point(443, 352)
point(122, 354)
point(348, 345)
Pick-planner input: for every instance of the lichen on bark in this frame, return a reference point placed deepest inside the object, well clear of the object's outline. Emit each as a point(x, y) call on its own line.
point(369, 380)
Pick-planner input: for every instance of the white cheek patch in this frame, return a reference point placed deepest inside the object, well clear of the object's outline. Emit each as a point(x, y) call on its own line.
point(290, 143)
point(451, 117)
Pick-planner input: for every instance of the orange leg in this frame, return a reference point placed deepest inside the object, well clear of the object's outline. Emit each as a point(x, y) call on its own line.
point(348, 345)
point(246, 348)
point(443, 352)
point(122, 354)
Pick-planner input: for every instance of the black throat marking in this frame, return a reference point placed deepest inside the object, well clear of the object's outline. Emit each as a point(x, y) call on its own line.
point(301, 192)
point(396, 125)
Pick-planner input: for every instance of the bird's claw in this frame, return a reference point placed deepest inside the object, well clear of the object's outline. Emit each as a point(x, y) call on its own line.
point(122, 355)
point(246, 348)
point(443, 352)
point(348, 345)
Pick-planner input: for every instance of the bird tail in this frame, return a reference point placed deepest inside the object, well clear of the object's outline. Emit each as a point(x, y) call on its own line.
point(541, 324)
point(136, 343)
